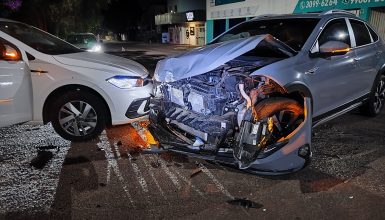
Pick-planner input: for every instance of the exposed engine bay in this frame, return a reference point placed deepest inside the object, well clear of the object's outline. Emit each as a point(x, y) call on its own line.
point(228, 110)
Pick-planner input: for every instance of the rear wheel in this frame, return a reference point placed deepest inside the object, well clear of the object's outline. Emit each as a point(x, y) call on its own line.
point(377, 98)
point(78, 116)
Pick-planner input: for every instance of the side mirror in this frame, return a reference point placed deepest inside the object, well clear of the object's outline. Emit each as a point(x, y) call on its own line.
point(9, 53)
point(334, 48)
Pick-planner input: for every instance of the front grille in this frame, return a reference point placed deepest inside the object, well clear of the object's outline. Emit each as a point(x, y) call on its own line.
point(132, 111)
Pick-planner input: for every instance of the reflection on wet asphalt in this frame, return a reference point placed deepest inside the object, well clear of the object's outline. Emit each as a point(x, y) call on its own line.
point(44, 176)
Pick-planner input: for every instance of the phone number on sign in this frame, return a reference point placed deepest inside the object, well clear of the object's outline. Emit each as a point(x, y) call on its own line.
point(318, 3)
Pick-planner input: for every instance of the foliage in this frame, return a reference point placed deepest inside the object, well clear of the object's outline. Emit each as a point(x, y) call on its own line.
point(59, 17)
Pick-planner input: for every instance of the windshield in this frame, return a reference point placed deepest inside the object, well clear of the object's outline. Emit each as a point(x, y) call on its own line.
point(37, 39)
point(81, 39)
point(292, 31)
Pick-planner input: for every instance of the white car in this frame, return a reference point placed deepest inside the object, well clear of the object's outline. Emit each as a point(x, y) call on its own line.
point(45, 79)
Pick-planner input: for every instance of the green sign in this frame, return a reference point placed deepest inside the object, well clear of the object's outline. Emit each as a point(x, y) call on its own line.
point(224, 2)
point(324, 5)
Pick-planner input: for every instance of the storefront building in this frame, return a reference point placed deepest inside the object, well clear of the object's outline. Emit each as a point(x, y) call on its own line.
point(224, 14)
point(184, 23)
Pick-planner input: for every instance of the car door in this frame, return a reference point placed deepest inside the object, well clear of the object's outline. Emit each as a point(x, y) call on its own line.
point(367, 56)
point(330, 77)
point(15, 86)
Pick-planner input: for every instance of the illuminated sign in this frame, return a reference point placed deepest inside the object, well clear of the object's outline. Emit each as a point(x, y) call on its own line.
point(224, 2)
point(190, 16)
point(323, 5)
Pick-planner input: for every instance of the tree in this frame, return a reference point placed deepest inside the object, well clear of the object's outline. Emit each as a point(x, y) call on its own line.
point(60, 17)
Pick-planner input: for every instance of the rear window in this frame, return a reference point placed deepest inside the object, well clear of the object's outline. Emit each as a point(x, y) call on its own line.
point(373, 33)
point(361, 33)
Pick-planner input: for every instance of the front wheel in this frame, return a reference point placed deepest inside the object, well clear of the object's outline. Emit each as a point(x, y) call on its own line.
point(377, 98)
point(78, 116)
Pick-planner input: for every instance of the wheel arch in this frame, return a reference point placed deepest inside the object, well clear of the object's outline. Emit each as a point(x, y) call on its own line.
point(382, 71)
point(298, 88)
point(63, 89)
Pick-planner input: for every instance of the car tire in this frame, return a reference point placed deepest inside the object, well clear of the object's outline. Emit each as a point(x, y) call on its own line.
point(376, 102)
point(78, 116)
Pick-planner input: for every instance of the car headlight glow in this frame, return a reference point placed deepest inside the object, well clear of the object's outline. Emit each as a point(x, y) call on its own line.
point(126, 82)
point(96, 48)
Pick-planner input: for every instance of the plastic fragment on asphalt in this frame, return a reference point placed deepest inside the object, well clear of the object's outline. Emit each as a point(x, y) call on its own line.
point(196, 172)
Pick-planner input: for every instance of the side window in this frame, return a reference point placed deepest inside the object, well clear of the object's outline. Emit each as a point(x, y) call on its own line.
point(373, 33)
point(335, 30)
point(361, 33)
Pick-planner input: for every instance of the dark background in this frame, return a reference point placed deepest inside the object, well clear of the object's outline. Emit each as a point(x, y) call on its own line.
point(61, 17)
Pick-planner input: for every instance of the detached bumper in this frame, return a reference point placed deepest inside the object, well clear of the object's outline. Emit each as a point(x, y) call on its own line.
point(287, 159)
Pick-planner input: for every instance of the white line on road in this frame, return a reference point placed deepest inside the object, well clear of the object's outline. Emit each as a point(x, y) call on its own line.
point(117, 151)
point(138, 174)
point(183, 178)
point(112, 164)
point(151, 172)
point(172, 176)
point(189, 183)
point(216, 181)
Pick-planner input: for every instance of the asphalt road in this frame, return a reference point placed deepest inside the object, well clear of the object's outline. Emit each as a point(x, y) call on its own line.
point(45, 177)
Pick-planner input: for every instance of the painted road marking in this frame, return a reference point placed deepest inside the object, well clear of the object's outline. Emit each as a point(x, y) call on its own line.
point(216, 181)
point(112, 164)
point(172, 177)
point(151, 172)
point(138, 174)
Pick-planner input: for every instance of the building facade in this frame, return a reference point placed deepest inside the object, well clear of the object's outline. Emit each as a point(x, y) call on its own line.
point(224, 14)
point(184, 23)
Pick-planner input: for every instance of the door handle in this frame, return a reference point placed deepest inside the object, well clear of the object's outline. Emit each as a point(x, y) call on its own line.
point(39, 71)
point(355, 62)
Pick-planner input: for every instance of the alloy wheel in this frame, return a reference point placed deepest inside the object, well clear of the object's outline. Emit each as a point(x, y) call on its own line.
point(379, 95)
point(78, 118)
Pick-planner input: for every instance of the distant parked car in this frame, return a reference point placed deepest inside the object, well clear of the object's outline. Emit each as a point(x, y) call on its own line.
point(252, 96)
point(85, 41)
point(43, 78)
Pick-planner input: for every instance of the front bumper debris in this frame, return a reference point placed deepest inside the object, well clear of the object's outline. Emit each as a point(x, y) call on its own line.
point(287, 157)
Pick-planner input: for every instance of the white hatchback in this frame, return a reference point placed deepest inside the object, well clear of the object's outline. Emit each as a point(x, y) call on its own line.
point(45, 79)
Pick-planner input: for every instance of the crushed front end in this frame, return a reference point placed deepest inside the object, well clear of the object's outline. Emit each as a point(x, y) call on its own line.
point(229, 116)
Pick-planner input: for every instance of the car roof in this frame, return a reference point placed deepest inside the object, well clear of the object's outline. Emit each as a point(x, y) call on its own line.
point(326, 14)
point(9, 20)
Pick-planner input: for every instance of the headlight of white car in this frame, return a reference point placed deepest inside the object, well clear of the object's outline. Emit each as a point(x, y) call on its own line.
point(126, 82)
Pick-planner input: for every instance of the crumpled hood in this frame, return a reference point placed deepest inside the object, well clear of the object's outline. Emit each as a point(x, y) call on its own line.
point(104, 62)
point(204, 59)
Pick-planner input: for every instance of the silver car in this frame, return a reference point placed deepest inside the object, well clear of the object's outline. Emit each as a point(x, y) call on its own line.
point(252, 96)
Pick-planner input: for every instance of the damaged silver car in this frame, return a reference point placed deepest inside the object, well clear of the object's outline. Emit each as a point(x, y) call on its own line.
point(252, 96)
